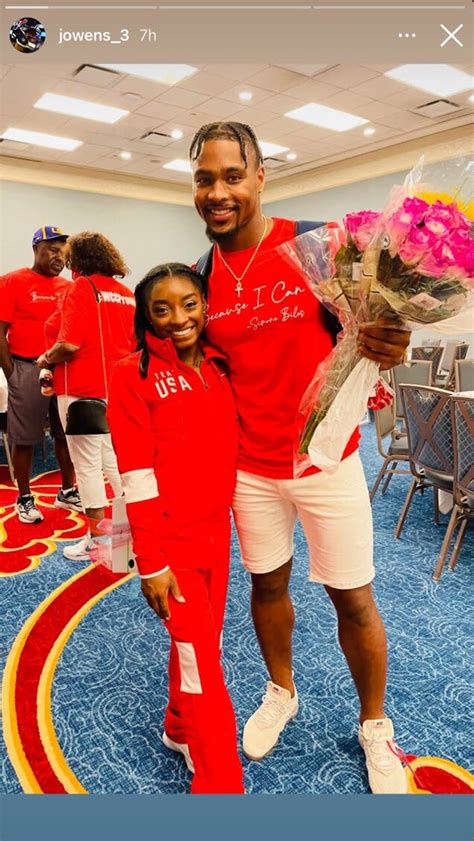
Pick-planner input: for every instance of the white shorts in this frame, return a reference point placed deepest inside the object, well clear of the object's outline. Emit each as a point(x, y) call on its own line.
point(334, 510)
point(90, 455)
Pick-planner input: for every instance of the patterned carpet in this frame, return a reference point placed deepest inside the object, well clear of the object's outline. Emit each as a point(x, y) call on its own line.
point(85, 685)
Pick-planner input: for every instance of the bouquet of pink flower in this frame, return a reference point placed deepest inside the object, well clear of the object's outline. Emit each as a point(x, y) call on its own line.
point(412, 263)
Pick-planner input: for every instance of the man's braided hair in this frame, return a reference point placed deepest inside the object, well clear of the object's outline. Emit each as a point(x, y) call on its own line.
point(239, 132)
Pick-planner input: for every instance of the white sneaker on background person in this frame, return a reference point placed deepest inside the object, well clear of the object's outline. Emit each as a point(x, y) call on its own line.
point(179, 747)
point(386, 772)
point(26, 509)
point(80, 551)
point(69, 499)
point(262, 731)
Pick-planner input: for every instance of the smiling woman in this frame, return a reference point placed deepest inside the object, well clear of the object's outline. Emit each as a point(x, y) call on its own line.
point(173, 402)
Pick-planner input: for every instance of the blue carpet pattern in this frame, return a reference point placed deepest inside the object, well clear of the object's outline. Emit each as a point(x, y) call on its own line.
point(109, 691)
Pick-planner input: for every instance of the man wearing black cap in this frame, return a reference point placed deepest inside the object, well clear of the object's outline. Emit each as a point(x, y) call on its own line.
point(27, 298)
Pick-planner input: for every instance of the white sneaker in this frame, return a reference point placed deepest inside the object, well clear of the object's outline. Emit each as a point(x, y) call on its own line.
point(263, 728)
point(69, 500)
point(26, 509)
point(179, 748)
point(79, 551)
point(386, 772)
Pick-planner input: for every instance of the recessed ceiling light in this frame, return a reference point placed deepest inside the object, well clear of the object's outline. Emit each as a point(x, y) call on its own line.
point(176, 134)
point(38, 138)
point(321, 115)
point(126, 156)
point(80, 108)
point(291, 156)
point(471, 97)
point(369, 131)
point(269, 149)
point(440, 79)
point(245, 96)
point(167, 74)
point(179, 165)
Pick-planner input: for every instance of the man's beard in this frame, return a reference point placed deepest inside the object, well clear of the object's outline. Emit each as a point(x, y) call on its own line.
point(214, 236)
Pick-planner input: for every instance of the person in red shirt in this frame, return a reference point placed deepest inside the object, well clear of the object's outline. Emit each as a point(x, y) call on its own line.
point(273, 331)
point(95, 331)
point(27, 298)
point(174, 428)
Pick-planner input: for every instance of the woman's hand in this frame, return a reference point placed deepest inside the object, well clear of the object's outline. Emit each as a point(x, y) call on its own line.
point(156, 592)
point(383, 341)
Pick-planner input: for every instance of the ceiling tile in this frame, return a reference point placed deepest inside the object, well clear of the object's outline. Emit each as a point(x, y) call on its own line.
point(379, 88)
point(349, 101)
point(275, 79)
point(405, 121)
point(313, 90)
point(99, 77)
point(409, 98)
point(143, 87)
point(280, 104)
point(218, 108)
point(258, 94)
point(208, 83)
point(182, 98)
point(348, 75)
point(86, 154)
point(238, 72)
point(159, 110)
point(304, 69)
point(254, 116)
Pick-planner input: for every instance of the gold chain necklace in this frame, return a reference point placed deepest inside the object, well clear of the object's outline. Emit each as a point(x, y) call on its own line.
point(239, 279)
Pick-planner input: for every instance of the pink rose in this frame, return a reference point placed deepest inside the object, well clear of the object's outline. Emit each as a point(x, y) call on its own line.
point(442, 219)
point(417, 245)
point(399, 224)
point(361, 227)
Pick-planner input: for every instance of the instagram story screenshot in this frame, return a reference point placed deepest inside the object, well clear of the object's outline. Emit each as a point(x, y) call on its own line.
point(236, 420)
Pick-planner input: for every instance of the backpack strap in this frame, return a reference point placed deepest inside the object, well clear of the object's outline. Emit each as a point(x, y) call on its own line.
point(204, 266)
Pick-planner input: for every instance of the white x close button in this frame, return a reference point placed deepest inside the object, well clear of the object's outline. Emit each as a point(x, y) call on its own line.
point(451, 35)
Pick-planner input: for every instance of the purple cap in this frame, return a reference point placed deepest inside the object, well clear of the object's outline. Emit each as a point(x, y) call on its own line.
point(47, 232)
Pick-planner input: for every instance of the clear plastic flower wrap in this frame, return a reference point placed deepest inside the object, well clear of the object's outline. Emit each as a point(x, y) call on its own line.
point(411, 265)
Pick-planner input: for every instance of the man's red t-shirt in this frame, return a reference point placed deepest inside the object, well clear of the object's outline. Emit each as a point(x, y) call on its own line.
point(80, 327)
point(274, 338)
point(27, 299)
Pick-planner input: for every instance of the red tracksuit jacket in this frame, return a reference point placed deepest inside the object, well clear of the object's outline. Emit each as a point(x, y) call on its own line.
point(176, 440)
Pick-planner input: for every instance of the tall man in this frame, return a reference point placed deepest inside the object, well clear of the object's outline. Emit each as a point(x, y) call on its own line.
point(262, 315)
point(27, 298)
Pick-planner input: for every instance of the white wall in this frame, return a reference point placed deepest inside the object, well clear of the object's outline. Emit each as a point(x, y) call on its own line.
point(145, 232)
point(333, 204)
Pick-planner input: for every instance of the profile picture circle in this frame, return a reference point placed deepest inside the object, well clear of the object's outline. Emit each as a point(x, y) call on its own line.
point(27, 35)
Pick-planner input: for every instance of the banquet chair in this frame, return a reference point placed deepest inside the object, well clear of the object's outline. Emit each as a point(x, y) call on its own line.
point(464, 375)
point(397, 450)
point(431, 342)
point(430, 443)
point(417, 372)
point(430, 353)
point(457, 350)
point(462, 415)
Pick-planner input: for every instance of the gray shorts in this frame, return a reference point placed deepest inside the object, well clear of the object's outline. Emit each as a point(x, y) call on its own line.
point(28, 410)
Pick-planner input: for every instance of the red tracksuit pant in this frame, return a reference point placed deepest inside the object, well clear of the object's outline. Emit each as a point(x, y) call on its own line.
point(199, 711)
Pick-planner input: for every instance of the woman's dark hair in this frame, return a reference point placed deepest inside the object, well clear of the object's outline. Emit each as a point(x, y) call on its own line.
point(142, 294)
point(239, 132)
point(92, 253)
